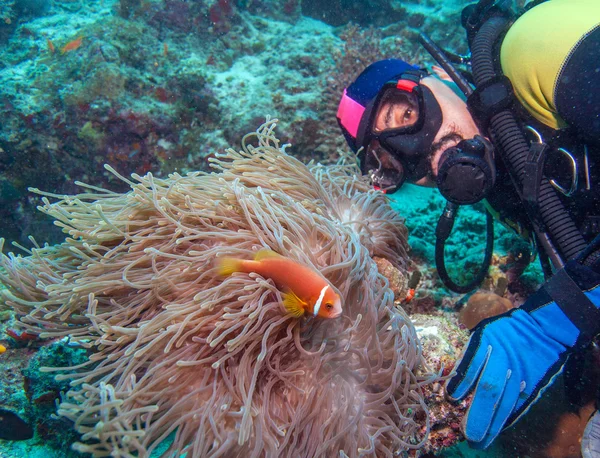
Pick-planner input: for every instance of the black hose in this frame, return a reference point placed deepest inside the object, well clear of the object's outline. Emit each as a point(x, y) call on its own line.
point(441, 57)
point(442, 232)
point(507, 134)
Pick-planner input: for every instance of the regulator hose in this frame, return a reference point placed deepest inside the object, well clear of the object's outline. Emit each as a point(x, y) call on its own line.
point(558, 233)
point(443, 231)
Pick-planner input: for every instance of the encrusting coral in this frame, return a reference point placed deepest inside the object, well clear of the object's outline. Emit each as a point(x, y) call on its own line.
point(214, 366)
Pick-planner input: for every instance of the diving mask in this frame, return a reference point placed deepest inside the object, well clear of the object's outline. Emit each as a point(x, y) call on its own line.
point(397, 131)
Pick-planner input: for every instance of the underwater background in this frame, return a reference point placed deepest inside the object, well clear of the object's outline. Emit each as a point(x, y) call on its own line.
point(164, 86)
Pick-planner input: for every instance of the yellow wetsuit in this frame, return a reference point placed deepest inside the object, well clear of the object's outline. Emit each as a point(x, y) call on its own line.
point(536, 50)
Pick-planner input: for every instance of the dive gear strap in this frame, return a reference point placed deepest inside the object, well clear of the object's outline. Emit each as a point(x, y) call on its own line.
point(534, 171)
point(578, 308)
point(490, 98)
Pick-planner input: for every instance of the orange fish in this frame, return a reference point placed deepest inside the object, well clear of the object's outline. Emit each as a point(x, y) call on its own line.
point(304, 290)
point(72, 45)
point(51, 47)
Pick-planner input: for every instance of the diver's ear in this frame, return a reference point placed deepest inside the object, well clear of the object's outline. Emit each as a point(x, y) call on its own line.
point(441, 73)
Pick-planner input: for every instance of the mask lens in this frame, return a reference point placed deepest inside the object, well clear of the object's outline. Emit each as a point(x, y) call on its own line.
point(397, 109)
point(386, 172)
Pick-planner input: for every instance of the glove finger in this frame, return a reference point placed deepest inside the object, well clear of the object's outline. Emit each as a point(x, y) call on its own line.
point(503, 410)
point(469, 367)
point(488, 400)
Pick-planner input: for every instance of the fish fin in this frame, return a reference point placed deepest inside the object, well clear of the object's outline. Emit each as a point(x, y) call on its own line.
point(265, 253)
point(293, 304)
point(227, 266)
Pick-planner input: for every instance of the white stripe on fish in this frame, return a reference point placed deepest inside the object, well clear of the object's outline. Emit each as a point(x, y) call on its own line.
point(320, 300)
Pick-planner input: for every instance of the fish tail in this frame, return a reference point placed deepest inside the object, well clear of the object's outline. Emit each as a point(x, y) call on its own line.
point(227, 266)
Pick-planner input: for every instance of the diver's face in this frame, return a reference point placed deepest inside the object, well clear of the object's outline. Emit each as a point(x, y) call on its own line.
point(457, 124)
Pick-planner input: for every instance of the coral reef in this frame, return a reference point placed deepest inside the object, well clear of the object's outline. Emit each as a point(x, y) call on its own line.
point(176, 349)
point(192, 74)
point(435, 17)
point(7, 14)
point(128, 7)
point(443, 341)
point(12, 398)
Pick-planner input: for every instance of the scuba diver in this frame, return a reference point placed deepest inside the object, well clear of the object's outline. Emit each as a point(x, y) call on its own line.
point(526, 142)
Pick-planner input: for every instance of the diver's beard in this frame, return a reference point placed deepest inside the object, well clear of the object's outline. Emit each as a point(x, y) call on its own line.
point(449, 137)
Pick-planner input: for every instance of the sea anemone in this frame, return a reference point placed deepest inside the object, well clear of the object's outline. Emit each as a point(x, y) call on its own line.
point(184, 359)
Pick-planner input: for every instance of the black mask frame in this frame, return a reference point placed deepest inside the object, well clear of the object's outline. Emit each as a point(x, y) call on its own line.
point(408, 146)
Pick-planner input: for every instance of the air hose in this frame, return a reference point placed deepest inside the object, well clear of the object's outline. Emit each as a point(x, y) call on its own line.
point(556, 230)
point(443, 231)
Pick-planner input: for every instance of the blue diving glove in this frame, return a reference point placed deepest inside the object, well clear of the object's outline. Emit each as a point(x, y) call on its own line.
point(512, 358)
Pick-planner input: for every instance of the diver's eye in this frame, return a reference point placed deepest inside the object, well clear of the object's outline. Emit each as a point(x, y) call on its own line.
point(397, 109)
point(329, 306)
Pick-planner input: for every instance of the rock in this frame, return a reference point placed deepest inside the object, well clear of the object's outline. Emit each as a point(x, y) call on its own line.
point(481, 306)
point(12, 427)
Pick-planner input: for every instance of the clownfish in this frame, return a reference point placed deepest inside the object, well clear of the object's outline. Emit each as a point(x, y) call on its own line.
point(304, 290)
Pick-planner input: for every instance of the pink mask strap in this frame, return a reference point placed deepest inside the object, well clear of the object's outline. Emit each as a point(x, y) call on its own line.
point(350, 113)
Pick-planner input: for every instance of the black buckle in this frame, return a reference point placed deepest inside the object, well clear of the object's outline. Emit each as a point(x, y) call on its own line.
point(415, 75)
point(490, 98)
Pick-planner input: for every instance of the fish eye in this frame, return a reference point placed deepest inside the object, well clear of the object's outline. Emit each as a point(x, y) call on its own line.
point(329, 306)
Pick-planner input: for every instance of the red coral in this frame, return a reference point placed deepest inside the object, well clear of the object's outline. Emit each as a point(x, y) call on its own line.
point(221, 15)
point(163, 95)
point(22, 336)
